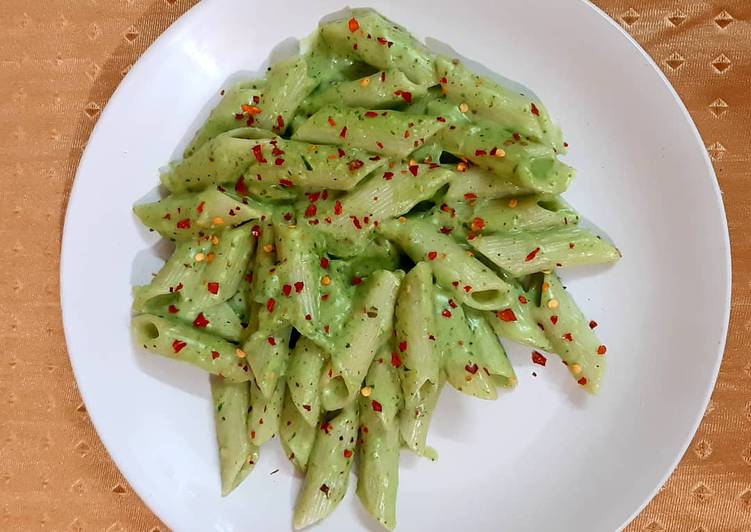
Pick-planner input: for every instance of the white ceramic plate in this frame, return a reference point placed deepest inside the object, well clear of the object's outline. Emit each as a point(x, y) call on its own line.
point(545, 457)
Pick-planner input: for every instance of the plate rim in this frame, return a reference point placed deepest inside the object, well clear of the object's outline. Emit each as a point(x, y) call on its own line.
point(174, 29)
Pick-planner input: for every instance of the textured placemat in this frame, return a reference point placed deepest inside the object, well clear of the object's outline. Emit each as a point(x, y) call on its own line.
point(59, 63)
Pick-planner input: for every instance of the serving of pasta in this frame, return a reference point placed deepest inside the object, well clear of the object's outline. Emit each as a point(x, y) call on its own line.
point(352, 232)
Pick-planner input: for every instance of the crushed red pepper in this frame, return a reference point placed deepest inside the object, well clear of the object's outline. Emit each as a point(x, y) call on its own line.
point(178, 345)
point(258, 154)
point(532, 254)
point(396, 360)
point(506, 315)
point(213, 288)
point(538, 358)
point(377, 406)
point(200, 320)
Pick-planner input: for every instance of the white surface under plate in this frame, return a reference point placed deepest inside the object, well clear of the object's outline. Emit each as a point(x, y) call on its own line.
point(545, 457)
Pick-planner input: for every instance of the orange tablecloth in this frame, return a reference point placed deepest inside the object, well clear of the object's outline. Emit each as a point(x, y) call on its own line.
point(60, 60)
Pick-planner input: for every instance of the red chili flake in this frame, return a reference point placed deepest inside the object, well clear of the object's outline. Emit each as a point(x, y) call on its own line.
point(255, 231)
point(467, 288)
point(441, 119)
point(356, 222)
point(446, 313)
point(406, 136)
point(279, 161)
point(454, 283)
point(326, 328)
point(353, 25)
point(311, 210)
point(535, 110)
point(379, 144)
point(432, 255)
point(287, 289)
point(343, 132)
point(276, 152)
point(382, 40)
point(452, 303)
point(355, 164)
point(200, 207)
point(280, 122)
point(602, 350)
point(538, 358)
point(325, 263)
point(213, 288)
point(396, 360)
point(469, 196)
point(299, 285)
point(532, 254)
point(337, 207)
point(506, 315)
point(571, 245)
point(176, 288)
point(270, 304)
point(200, 321)
point(517, 137)
point(331, 122)
point(478, 224)
point(356, 280)
point(402, 346)
point(383, 76)
point(347, 453)
point(554, 319)
point(308, 317)
point(214, 355)
point(307, 408)
point(271, 340)
point(583, 381)
point(522, 300)
point(341, 153)
point(388, 176)
point(471, 369)
point(377, 406)
point(413, 169)
point(324, 488)
point(568, 337)
point(446, 230)
point(472, 236)
point(258, 153)
point(371, 114)
point(239, 116)
point(178, 345)
point(314, 196)
point(286, 183)
point(592, 324)
point(184, 224)
point(326, 426)
point(480, 153)
point(173, 309)
point(406, 95)
point(241, 188)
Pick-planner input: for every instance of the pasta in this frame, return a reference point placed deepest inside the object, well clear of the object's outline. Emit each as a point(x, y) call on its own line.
point(351, 233)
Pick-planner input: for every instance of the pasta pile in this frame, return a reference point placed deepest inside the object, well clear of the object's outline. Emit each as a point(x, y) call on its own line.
point(296, 211)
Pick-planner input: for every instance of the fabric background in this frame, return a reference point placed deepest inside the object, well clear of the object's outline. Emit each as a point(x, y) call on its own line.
point(60, 60)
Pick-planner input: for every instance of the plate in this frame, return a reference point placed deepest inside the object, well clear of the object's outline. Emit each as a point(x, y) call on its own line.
point(545, 457)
